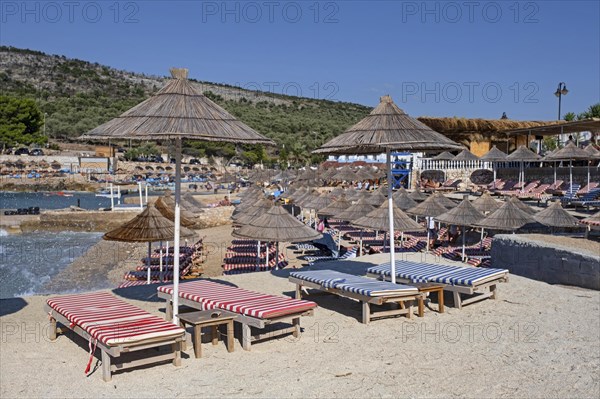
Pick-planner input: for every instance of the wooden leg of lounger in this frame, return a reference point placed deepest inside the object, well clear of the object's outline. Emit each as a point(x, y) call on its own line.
point(366, 312)
point(246, 337)
point(176, 347)
point(441, 301)
point(421, 302)
point(106, 366)
point(230, 336)
point(296, 323)
point(457, 301)
point(298, 291)
point(493, 290)
point(169, 310)
point(197, 339)
point(52, 329)
point(214, 332)
point(410, 311)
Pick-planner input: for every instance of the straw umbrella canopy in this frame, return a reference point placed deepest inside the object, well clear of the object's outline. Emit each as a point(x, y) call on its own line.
point(592, 151)
point(445, 201)
point(178, 111)
point(328, 174)
point(166, 207)
point(465, 155)
point(355, 211)
point(403, 201)
point(364, 174)
point(507, 217)
point(260, 206)
point(464, 214)
point(444, 156)
point(429, 208)
point(276, 225)
point(335, 207)
point(149, 226)
point(522, 206)
point(486, 204)
point(418, 195)
point(570, 152)
point(388, 128)
point(593, 220)
point(523, 154)
point(319, 202)
point(556, 216)
point(375, 199)
point(494, 155)
point(345, 174)
point(337, 192)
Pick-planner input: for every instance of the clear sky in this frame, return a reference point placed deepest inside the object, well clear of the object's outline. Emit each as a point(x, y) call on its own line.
point(439, 58)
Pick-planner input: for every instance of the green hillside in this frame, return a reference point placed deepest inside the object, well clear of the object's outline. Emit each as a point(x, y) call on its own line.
point(77, 95)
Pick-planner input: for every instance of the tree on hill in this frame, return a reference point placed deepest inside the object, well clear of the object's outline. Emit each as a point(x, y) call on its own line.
point(20, 122)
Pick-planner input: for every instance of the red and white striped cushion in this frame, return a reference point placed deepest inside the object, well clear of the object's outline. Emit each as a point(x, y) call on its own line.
point(111, 320)
point(214, 295)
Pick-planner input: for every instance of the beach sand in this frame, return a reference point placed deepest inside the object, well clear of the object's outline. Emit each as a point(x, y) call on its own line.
point(536, 340)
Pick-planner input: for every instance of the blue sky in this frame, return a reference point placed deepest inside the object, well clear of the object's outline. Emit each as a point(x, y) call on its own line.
point(441, 58)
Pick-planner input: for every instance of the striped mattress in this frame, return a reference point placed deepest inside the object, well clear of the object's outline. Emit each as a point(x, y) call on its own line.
point(212, 295)
point(111, 320)
point(354, 284)
point(443, 274)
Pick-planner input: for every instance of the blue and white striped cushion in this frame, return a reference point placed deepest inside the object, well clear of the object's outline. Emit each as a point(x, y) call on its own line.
point(355, 284)
point(469, 276)
point(413, 271)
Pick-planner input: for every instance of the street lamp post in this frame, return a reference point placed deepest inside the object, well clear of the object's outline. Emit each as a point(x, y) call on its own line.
point(561, 91)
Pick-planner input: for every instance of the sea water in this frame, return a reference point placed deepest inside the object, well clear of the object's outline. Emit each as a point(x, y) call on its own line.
point(15, 200)
point(29, 261)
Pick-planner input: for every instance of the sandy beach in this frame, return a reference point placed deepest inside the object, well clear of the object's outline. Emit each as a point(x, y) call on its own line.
point(536, 340)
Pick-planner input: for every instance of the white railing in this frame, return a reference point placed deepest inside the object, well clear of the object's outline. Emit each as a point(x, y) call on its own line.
point(434, 164)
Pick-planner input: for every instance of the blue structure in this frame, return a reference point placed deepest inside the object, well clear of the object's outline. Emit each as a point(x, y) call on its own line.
point(401, 169)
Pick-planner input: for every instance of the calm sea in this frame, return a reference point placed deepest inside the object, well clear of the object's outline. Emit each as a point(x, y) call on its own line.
point(14, 200)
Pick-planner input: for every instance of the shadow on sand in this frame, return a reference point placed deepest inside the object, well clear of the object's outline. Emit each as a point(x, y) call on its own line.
point(11, 305)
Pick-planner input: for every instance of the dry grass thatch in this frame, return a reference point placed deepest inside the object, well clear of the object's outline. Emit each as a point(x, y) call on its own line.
point(403, 201)
point(276, 225)
point(335, 207)
point(148, 226)
point(555, 216)
point(569, 152)
point(523, 154)
point(444, 156)
point(466, 155)
point(486, 204)
point(378, 219)
point(178, 110)
point(445, 201)
point(387, 126)
point(494, 154)
point(464, 214)
point(355, 211)
point(507, 217)
point(478, 126)
point(418, 195)
point(430, 207)
point(168, 211)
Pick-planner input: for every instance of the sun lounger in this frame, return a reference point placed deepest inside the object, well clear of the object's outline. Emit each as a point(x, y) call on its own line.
point(478, 282)
point(254, 309)
point(366, 290)
point(115, 327)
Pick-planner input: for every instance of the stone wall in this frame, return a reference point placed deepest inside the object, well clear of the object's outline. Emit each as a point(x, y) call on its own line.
point(546, 262)
point(78, 221)
point(214, 217)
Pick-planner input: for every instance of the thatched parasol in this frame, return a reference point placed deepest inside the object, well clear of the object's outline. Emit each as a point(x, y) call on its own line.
point(418, 195)
point(593, 220)
point(494, 155)
point(464, 214)
point(166, 206)
point(486, 204)
point(444, 156)
point(328, 174)
point(403, 201)
point(319, 202)
point(570, 152)
point(590, 149)
point(555, 216)
point(335, 207)
point(443, 200)
point(507, 217)
point(259, 206)
point(430, 207)
point(364, 174)
point(375, 199)
point(388, 128)
point(337, 192)
point(378, 219)
point(178, 111)
point(276, 225)
point(355, 211)
point(345, 174)
point(149, 226)
point(523, 154)
point(465, 155)
point(521, 205)
point(194, 202)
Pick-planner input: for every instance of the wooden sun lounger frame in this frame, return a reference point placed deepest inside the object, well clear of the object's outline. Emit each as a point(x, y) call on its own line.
point(247, 322)
point(487, 288)
point(108, 366)
point(367, 312)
